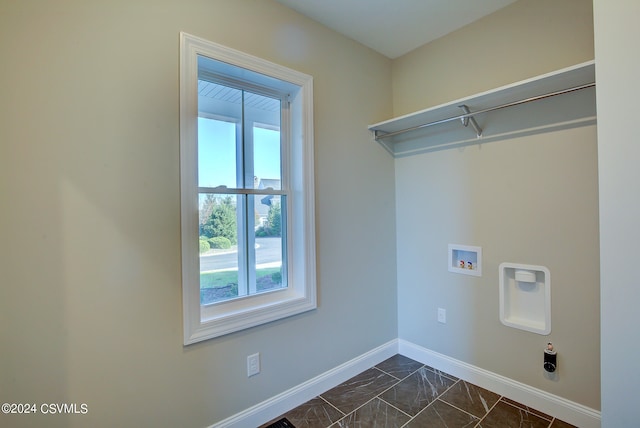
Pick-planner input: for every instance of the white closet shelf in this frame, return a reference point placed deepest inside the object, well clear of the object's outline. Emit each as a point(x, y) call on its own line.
point(572, 78)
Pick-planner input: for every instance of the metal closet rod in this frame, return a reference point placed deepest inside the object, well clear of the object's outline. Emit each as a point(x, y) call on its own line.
point(486, 110)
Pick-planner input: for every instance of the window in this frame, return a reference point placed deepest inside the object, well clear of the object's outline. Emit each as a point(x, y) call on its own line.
point(247, 202)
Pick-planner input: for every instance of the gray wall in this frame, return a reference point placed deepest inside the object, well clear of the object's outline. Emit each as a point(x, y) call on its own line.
point(525, 39)
point(531, 199)
point(90, 301)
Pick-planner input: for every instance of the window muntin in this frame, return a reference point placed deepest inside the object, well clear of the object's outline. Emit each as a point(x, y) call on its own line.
point(258, 169)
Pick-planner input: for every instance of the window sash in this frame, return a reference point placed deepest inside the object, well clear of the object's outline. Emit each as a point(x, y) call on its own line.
point(245, 164)
point(247, 264)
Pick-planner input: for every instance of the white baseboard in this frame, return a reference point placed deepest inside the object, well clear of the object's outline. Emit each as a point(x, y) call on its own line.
point(292, 398)
point(566, 410)
point(569, 411)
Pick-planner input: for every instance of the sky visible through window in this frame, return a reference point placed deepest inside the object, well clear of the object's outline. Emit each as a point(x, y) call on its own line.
point(217, 153)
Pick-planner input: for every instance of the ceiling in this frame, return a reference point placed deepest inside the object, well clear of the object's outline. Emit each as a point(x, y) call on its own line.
point(395, 27)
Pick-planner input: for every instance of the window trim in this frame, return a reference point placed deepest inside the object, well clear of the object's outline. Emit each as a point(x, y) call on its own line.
point(300, 295)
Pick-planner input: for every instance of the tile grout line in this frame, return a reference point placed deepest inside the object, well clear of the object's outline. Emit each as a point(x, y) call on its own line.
point(462, 410)
point(331, 404)
point(437, 373)
point(400, 380)
point(395, 384)
point(478, 425)
point(378, 396)
point(438, 397)
point(391, 405)
point(387, 373)
point(527, 411)
point(368, 401)
point(426, 407)
point(356, 409)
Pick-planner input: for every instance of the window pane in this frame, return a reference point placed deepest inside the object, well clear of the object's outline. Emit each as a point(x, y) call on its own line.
point(219, 255)
point(270, 271)
point(266, 153)
point(216, 153)
point(262, 119)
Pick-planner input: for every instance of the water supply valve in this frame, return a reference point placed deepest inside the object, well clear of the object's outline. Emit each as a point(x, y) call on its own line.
point(550, 358)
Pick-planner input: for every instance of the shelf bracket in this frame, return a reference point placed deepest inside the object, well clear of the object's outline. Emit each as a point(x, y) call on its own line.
point(468, 118)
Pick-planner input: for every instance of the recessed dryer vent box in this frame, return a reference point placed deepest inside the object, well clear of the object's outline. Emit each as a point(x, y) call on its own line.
point(465, 259)
point(525, 297)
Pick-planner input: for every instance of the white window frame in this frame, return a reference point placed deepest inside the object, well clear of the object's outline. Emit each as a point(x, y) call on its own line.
point(299, 296)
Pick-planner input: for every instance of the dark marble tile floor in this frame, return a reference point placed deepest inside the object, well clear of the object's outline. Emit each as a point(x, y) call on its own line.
point(401, 392)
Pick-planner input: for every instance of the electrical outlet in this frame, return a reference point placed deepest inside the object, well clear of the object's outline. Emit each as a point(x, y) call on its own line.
point(442, 315)
point(253, 364)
